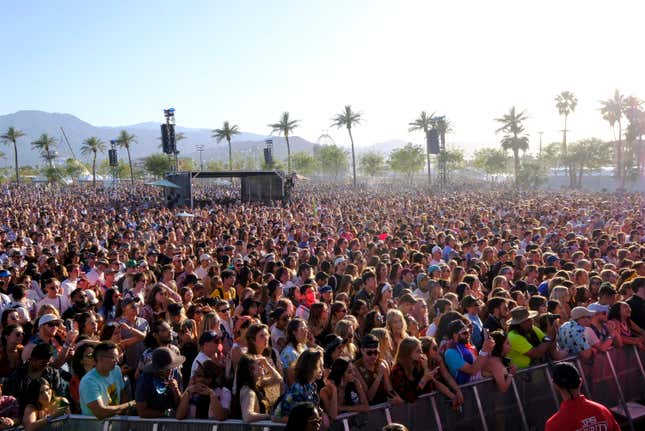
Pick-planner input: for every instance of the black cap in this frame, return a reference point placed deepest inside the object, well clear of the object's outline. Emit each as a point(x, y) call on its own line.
point(566, 376)
point(174, 309)
point(369, 341)
point(332, 341)
point(455, 327)
point(208, 336)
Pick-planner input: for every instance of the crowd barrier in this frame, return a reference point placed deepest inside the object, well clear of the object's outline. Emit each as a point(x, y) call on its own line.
point(614, 378)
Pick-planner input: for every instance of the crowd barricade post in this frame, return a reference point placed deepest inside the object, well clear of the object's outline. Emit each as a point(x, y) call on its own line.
point(536, 394)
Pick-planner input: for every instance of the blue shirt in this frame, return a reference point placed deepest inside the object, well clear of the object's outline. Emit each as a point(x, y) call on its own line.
point(477, 337)
point(455, 358)
point(94, 386)
point(572, 337)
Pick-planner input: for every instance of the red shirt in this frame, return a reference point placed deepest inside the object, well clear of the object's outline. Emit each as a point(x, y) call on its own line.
point(580, 414)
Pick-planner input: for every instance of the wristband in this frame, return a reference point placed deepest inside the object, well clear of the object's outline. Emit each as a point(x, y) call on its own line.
point(483, 353)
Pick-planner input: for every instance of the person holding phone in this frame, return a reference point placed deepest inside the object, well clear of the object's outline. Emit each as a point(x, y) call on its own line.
point(375, 373)
point(410, 374)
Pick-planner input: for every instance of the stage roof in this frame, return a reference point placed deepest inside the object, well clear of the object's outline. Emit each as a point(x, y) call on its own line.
point(230, 174)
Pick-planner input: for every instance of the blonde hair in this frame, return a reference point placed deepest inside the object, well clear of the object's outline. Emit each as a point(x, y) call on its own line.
point(560, 293)
point(342, 328)
point(391, 314)
point(207, 323)
point(384, 344)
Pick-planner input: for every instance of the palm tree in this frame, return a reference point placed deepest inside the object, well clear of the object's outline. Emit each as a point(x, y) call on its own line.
point(124, 140)
point(12, 135)
point(424, 122)
point(514, 138)
point(285, 126)
point(612, 110)
point(348, 118)
point(566, 103)
point(46, 145)
point(227, 132)
point(93, 146)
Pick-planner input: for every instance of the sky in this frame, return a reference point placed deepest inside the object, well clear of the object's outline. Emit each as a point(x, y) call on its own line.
point(116, 62)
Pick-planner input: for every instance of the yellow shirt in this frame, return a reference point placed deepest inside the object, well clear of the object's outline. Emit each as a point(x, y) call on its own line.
point(520, 345)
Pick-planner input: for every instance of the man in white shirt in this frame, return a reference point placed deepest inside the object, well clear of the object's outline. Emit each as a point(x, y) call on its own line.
point(69, 284)
point(204, 262)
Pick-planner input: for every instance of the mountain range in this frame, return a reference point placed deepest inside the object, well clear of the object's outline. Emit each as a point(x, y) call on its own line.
point(35, 123)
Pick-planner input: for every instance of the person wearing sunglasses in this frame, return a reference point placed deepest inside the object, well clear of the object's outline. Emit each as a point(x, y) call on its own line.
point(375, 373)
point(460, 357)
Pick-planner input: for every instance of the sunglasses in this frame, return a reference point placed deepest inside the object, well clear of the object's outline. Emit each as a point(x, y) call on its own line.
point(371, 352)
point(52, 324)
point(223, 310)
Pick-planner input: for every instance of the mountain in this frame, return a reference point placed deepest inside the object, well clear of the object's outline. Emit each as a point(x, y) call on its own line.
point(35, 123)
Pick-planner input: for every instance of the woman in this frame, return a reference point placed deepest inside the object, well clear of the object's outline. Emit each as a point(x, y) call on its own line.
point(431, 350)
point(383, 298)
point(343, 391)
point(385, 348)
point(210, 322)
point(498, 366)
point(345, 330)
point(10, 317)
point(110, 304)
point(249, 397)
point(88, 326)
point(309, 369)
point(257, 341)
point(41, 405)
point(373, 319)
point(205, 397)
point(619, 321)
point(410, 374)
point(188, 347)
point(156, 303)
point(82, 363)
point(396, 326)
point(456, 276)
point(561, 294)
point(186, 294)
point(304, 417)
point(318, 321)
point(239, 347)
point(10, 355)
point(297, 333)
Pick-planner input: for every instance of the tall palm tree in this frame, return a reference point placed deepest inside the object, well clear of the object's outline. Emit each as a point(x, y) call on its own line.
point(12, 135)
point(514, 138)
point(125, 140)
point(285, 126)
point(348, 118)
point(566, 103)
point(93, 145)
point(612, 110)
point(46, 145)
point(227, 132)
point(424, 122)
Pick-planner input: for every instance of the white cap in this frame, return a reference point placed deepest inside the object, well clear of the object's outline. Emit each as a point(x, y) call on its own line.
point(46, 318)
point(204, 257)
point(339, 260)
point(436, 248)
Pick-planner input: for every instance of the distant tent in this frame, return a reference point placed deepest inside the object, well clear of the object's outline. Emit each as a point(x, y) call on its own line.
point(164, 183)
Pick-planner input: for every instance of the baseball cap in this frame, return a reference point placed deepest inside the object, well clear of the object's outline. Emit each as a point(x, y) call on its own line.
point(598, 308)
point(325, 289)
point(469, 301)
point(204, 257)
point(580, 312)
point(433, 268)
point(5, 273)
point(46, 318)
point(208, 336)
point(339, 260)
point(131, 263)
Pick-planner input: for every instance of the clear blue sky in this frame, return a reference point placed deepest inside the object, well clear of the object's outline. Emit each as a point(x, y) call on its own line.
point(118, 62)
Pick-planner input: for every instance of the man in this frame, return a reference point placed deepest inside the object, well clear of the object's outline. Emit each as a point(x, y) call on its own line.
point(462, 362)
point(422, 283)
point(227, 326)
point(36, 366)
point(368, 290)
point(158, 392)
point(471, 305)
point(406, 282)
point(497, 314)
point(374, 373)
point(436, 258)
point(637, 301)
point(227, 291)
point(308, 297)
point(96, 275)
point(160, 335)
point(597, 333)
point(48, 325)
point(607, 294)
point(529, 344)
point(572, 333)
point(80, 304)
point(102, 389)
point(209, 345)
point(576, 412)
point(69, 284)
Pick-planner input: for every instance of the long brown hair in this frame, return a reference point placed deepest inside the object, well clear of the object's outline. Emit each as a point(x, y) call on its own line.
point(404, 354)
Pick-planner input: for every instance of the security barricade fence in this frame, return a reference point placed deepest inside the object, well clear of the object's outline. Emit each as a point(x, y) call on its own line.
point(615, 378)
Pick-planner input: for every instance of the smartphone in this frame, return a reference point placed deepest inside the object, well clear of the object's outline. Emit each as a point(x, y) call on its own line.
point(486, 334)
point(69, 324)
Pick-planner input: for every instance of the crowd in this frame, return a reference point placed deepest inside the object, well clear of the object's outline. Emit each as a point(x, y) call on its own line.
point(338, 300)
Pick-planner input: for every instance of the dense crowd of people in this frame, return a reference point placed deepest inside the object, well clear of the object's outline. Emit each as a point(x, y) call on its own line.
point(340, 299)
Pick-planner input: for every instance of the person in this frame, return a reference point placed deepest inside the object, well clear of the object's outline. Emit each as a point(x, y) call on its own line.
point(571, 335)
point(394, 427)
point(597, 333)
point(529, 345)
point(576, 411)
point(82, 363)
point(410, 374)
point(157, 392)
point(209, 346)
point(102, 390)
point(461, 357)
point(498, 366)
point(41, 405)
point(343, 391)
point(470, 305)
point(11, 349)
point(297, 333)
point(250, 399)
point(9, 411)
point(309, 369)
point(637, 301)
point(375, 373)
point(205, 396)
point(48, 326)
point(497, 314)
point(304, 417)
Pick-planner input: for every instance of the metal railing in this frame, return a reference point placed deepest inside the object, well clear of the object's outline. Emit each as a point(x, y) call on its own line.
point(613, 378)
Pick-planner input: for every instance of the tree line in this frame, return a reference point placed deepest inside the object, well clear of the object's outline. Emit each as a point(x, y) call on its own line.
point(624, 114)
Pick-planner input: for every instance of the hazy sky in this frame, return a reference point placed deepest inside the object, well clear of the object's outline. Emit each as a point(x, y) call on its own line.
point(122, 62)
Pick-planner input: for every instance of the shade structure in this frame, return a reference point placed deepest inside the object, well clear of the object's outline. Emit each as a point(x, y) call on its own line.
point(164, 183)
